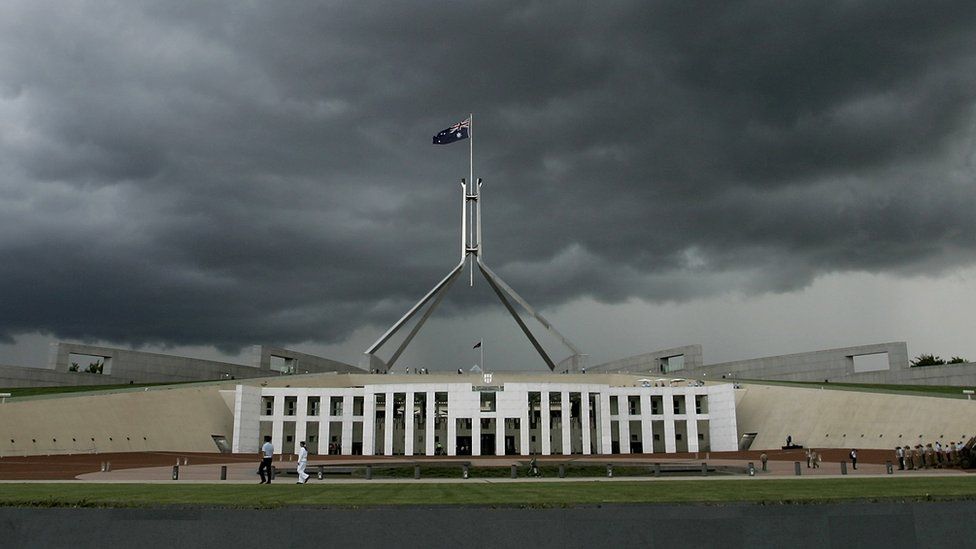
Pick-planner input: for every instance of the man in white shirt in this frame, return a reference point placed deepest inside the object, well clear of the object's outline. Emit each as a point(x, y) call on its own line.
point(267, 454)
point(302, 462)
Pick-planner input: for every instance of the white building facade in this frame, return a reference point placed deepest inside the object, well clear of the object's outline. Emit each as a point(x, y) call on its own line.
point(409, 416)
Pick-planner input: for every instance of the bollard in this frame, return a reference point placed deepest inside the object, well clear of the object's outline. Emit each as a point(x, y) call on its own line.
point(796, 468)
point(103, 466)
point(562, 470)
point(657, 469)
point(186, 461)
point(464, 471)
point(108, 466)
point(273, 472)
point(514, 471)
point(751, 469)
point(223, 472)
point(704, 469)
point(416, 471)
point(176, 472)
point(889, 468)
point(177, 462)
point(843, 467)
point(321, 472)
point(369, 472)
point(609, 470)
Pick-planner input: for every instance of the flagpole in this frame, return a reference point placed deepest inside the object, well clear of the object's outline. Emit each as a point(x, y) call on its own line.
point(472, 183)
point(482, 348)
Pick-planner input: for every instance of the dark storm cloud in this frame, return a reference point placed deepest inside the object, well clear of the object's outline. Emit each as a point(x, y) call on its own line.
point(228, 173)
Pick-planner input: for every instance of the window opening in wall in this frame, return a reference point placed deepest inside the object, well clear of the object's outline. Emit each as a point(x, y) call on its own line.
point(488, 402)
point(283, 364)
point(314, 405)
point(420, 409)
point(633, 405)
point(91, 364)
point(535, 408)
point(357, 405)
point(335, 406)
point(291, 403)
point(701, 404)
point(657, 404)
point(399, 409)
point(679, 404)
point(874, 362)
point(672, 363)
point(440, 404)
point(613, 405)
point(267, 405)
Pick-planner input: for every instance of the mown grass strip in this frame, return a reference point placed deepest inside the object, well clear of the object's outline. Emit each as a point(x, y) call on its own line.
point(533, 494)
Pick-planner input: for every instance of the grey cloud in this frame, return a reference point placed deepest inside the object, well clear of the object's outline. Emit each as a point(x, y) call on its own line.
point(194, 173)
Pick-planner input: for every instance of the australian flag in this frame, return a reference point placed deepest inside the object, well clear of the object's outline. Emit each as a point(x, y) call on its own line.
point(456, 132)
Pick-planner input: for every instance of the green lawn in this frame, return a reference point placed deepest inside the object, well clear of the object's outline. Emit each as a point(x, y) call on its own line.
point(535, 494)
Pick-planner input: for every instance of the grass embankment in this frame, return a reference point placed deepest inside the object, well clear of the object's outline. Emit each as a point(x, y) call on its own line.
point(38, 391)
point(533, 494)
point(922, 390)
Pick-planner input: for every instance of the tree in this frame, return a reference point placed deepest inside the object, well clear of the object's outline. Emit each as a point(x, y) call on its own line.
point(73, 367)
point(927, 360)
point(958, 360)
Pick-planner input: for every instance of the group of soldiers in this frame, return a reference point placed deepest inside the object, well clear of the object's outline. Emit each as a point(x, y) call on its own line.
point(930, 455)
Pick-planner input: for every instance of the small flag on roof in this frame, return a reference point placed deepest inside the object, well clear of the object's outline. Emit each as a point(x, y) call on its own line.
point(456, 132)
point(476, 345)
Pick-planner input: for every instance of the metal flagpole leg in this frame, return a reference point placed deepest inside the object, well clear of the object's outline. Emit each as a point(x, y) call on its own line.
point(518, 319)
point(508, 289)
point(413, 310)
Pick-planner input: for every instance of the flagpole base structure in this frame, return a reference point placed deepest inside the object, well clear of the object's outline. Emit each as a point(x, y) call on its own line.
point(471, 250)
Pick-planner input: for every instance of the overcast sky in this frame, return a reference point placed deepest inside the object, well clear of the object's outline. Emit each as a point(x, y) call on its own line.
point(757, 177)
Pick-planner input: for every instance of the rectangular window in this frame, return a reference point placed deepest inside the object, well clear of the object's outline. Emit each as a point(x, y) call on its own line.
point(633, 405)
point(267, 405)
point(488, 402)
point(313, 406)
point(335, 406)
point(380, 406)
point(657, 404)
point(871, 363)
point(291, 403)
point(701, 404)
point(679, 404)
point(440, 404)
point(613, 405)
point(357, 406)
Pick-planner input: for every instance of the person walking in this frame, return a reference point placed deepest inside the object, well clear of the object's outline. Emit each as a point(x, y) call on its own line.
point(763, 458)
point(267, 453)
point(302, 463)
point(900, 454)
point(809, 457)
point(853, 456)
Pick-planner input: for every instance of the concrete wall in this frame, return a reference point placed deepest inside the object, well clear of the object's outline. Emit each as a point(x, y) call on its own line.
point(652, 363)
point(122, 366)
point(247, 427)
point(301, 363)
point(832, 364)
point(837, 365)
point(826, 418)
point(165, 419)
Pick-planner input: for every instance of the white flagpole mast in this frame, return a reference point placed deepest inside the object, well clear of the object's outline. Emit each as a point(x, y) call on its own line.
point(482, 348)
point(471, 182)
